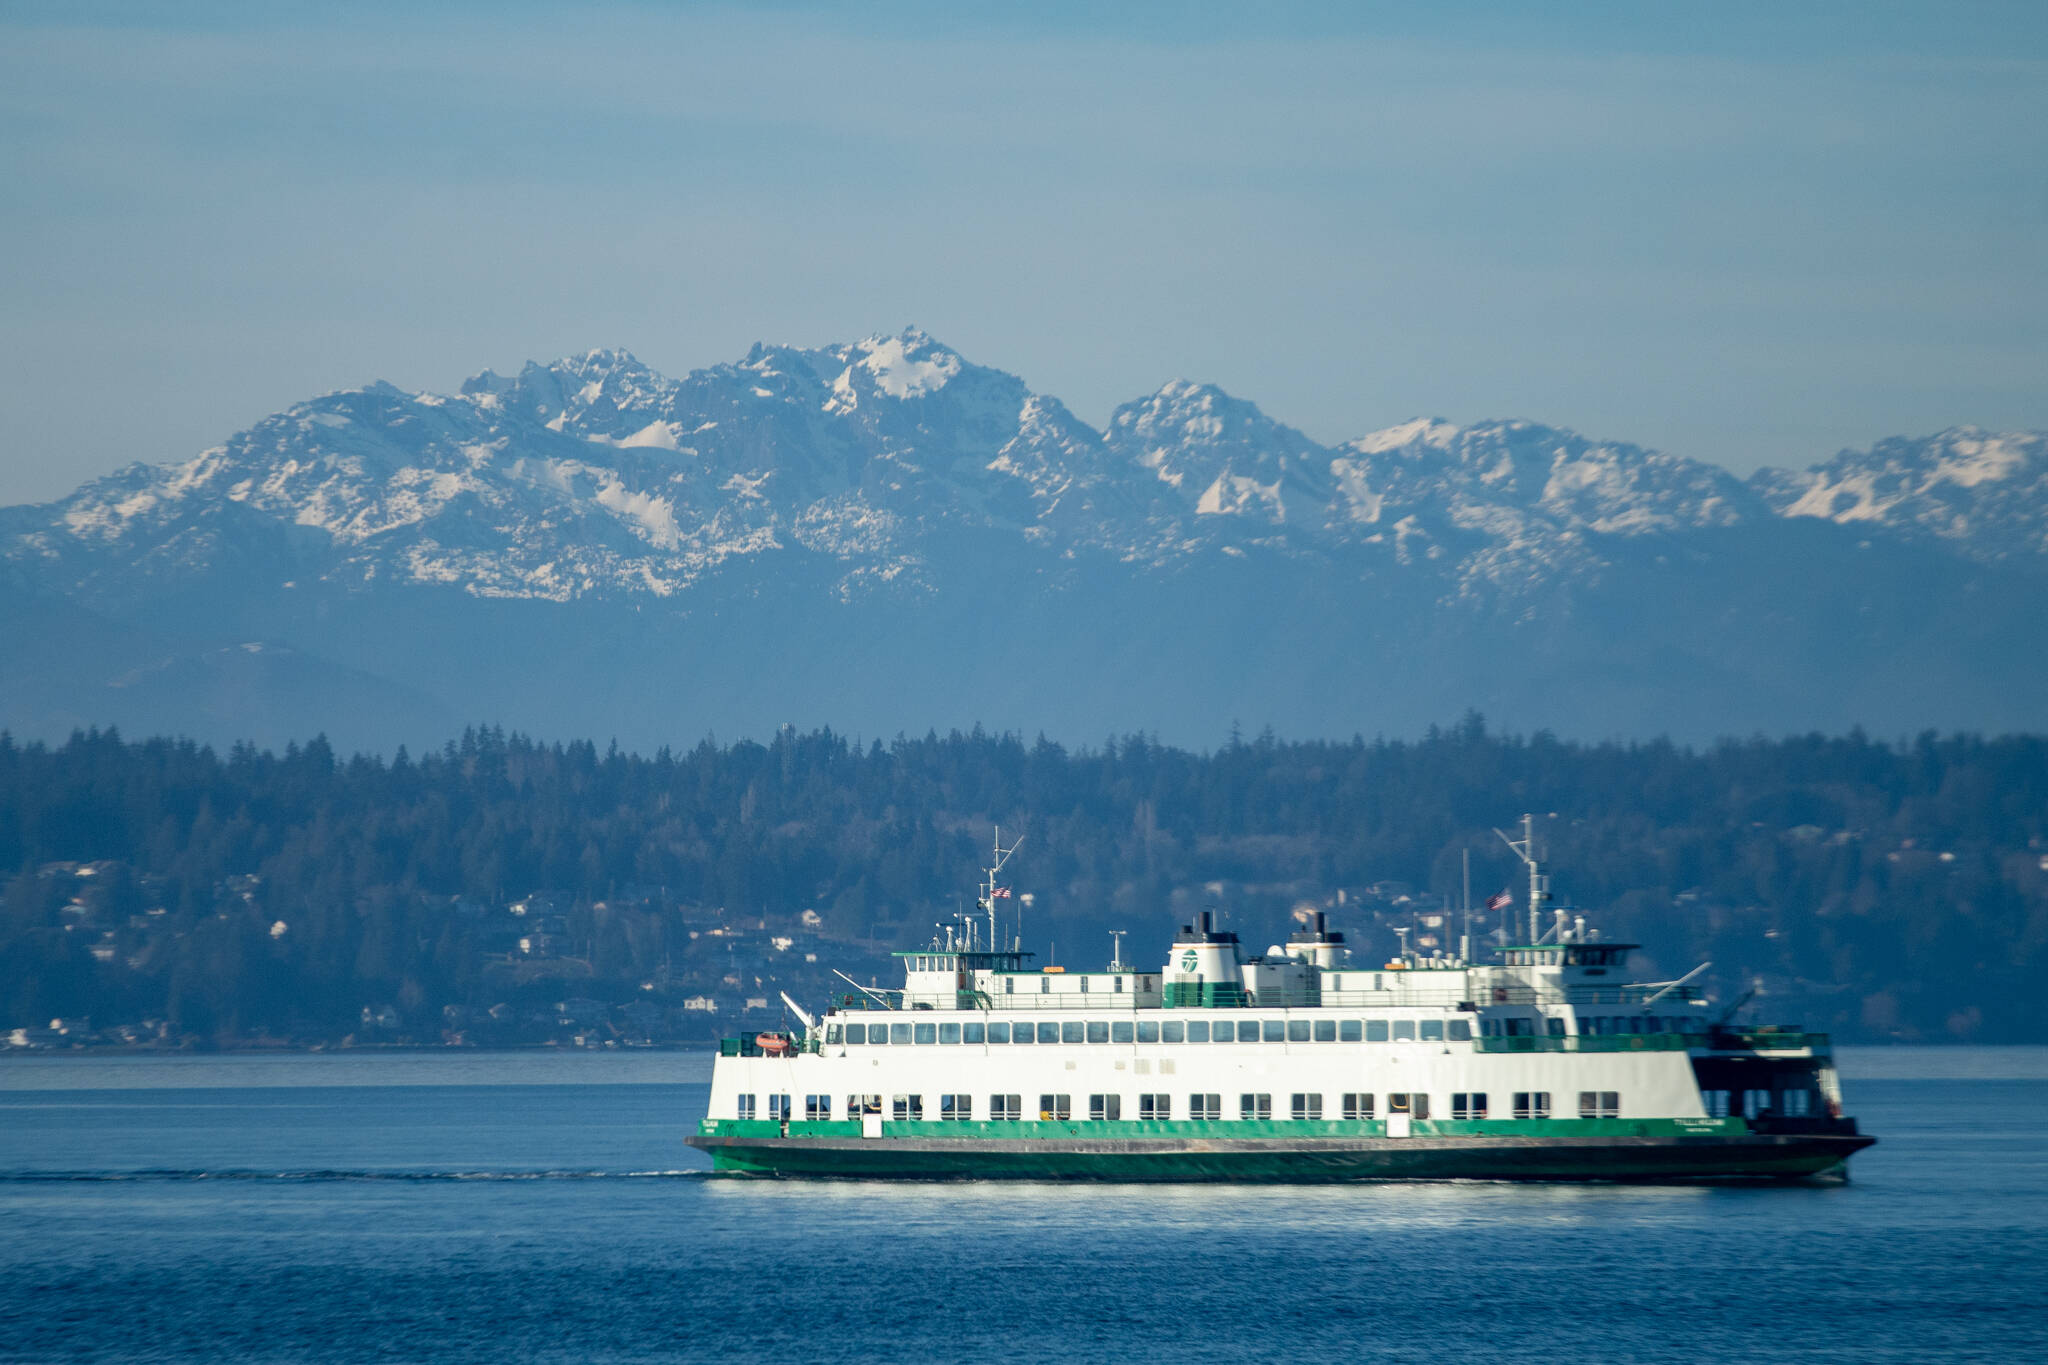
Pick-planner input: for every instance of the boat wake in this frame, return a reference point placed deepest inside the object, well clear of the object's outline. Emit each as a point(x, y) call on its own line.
point(175, 1176)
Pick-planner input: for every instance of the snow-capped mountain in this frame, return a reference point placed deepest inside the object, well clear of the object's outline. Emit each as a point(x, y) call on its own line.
point(1983, 492)
point(928, 516)
point(1218, 456)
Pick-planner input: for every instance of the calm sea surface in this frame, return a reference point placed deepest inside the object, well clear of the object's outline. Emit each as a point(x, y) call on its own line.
point(543, 1208)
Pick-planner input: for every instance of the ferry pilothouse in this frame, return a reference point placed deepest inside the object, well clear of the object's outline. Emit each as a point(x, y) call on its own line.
point(1301, 1063)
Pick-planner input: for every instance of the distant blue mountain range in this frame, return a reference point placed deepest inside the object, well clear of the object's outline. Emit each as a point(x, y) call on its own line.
point(885, 537)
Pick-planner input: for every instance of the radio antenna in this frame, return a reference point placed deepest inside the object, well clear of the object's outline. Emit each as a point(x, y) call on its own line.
point(1539, 885)
point(990, 892)
point(1465, 932)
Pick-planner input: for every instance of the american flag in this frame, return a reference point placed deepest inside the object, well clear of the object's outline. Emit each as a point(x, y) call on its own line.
point(1000, 893)
point(1500, 902)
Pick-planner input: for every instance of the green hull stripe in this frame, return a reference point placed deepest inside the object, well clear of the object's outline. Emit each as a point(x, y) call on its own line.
point(1297, 1161)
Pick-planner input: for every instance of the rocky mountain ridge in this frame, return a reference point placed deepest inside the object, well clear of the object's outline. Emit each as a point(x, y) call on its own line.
point(596, 475)
point(866, 491)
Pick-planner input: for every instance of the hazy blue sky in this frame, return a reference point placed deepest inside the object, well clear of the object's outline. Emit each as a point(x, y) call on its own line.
point(1734, 233)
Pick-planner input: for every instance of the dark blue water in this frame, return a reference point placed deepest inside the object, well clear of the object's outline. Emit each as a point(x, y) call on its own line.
point(544, 1209)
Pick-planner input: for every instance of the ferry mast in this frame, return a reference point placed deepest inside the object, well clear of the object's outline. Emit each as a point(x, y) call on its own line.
point(1539, 885)
point(989, 888)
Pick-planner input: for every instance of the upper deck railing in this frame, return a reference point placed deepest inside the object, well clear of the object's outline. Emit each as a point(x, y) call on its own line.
point(1104, 1002)
point(1721, 1040)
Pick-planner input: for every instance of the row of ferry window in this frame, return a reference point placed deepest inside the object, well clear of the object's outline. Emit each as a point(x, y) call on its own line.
point(1571, 957)
point(1156, 1031)
point(1636, 1023)
point(1521, 1026)
point(1116, 984)
point(1753, 1104)
point(1467, 1105)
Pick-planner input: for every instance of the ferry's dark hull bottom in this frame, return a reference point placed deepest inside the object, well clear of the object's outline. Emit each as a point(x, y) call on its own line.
point(1290, 1160)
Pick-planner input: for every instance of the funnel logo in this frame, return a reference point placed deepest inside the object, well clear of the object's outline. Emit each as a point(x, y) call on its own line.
point(1187, 961)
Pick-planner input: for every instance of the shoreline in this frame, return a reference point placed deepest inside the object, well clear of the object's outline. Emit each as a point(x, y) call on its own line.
point(706, 1046)
point(23, 1069)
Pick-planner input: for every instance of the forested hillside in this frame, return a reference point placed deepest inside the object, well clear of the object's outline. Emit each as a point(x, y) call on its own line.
point(503, 890)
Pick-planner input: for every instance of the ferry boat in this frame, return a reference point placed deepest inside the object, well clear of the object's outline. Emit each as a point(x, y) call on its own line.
point(1301, 1063)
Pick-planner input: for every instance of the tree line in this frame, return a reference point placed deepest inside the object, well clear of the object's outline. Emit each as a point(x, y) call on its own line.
point(1878, 889)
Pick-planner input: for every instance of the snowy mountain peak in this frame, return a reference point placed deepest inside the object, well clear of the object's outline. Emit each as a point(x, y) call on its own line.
point(1184, 413)
point(1420, 434)
point(1982, 490)
point(590, 390)
point(1527, 484)
point(905, 366)
point(1223, 455)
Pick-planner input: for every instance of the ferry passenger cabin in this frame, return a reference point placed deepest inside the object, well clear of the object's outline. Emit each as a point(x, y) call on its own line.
point(1291, 1002)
